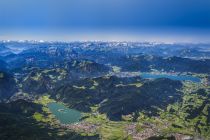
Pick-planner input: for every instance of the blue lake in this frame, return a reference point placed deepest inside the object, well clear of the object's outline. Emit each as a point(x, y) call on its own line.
point(173, 77)
point(64, 114)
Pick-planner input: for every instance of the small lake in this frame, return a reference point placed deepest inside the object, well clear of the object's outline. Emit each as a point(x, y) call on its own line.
point(64, 114)
point(173, 77)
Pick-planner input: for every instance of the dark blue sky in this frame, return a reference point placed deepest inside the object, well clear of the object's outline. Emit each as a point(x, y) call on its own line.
point(104, 15)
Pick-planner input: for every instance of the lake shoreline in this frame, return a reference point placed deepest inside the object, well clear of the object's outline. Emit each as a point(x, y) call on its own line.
point(64, 114)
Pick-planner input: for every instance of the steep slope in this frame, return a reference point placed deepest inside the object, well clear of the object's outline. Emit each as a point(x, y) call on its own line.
point(145, 63)
point(150, 97)
point(7, 85)
point(40, 81)
point(120, 96)
point(16, 123)
point(3, 65)
point(86, 68)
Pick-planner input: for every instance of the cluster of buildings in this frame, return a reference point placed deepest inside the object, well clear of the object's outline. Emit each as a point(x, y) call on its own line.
point(84, 127)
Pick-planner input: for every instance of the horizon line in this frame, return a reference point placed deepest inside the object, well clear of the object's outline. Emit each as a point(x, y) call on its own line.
point(98, 41)
point(122, 36)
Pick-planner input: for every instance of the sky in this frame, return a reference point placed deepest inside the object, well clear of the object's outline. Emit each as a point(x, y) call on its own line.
point(157, 20)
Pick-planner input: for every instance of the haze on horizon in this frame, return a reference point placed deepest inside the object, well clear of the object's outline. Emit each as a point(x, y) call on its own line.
point(107, 20)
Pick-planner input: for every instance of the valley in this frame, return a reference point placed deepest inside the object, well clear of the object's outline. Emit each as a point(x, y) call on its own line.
point(104, 90)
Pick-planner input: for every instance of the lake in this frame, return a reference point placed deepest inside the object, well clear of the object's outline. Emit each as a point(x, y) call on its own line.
point(63, 114)
point(173, 77)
